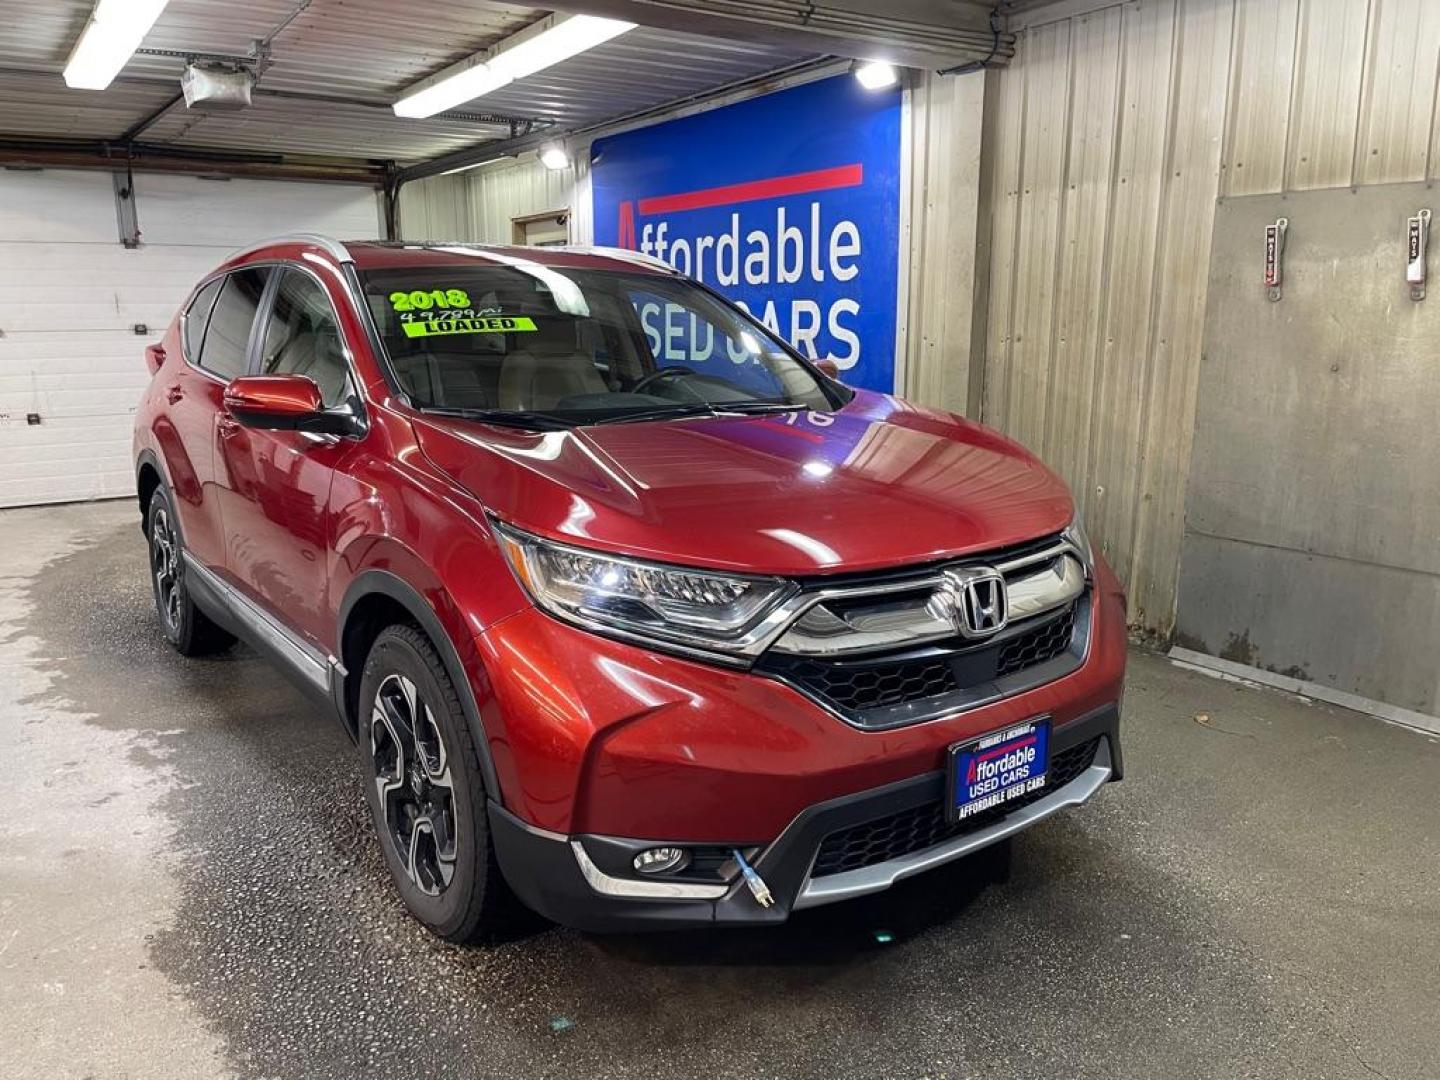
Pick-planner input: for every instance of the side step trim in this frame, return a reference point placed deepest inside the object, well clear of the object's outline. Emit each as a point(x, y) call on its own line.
point(873, 879)
point(307, 661)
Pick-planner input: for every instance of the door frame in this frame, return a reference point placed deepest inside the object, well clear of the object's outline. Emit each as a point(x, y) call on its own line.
point(561, 216)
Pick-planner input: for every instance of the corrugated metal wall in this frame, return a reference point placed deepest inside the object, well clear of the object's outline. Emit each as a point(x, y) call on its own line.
point(480, 205)
point(939, 321)
point(503, 192)
point(437, 208)
point(1115, 131)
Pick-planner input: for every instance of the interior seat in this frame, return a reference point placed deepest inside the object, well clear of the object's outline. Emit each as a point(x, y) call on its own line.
point(455, 381)
point(319, 357)
point(549, 368)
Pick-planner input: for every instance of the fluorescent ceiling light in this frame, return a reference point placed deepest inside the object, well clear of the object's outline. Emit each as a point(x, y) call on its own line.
point(110, 38)
point(556, 38)
point(554, 157)
point(476, 165)
point(875, 75)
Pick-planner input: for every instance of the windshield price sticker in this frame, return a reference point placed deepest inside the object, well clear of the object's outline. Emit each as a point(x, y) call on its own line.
point(490, 324)
point(425, 299)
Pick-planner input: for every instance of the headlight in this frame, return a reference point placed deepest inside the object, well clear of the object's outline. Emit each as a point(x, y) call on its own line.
point(697, 609)
point(1075, 535)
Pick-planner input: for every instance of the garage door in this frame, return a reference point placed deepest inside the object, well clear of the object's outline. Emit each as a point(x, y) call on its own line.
point(77, 309)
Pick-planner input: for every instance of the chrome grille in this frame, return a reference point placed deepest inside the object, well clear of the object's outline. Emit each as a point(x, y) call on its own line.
point(924, 680)
point(877, 652)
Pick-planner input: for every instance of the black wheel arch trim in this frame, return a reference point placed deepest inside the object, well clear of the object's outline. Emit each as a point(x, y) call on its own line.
point(382, 582)
point(150, 458)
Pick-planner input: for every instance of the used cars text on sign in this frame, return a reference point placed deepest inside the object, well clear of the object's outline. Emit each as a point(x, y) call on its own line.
point(789, 204)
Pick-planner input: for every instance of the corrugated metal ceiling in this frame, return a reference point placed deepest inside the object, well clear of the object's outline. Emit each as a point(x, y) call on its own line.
point(335, 69)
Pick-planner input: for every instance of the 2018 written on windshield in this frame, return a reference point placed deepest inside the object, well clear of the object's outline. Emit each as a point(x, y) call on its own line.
point(425, 299)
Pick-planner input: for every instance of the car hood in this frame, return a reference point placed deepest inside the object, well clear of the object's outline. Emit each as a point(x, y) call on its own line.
point(879, 483)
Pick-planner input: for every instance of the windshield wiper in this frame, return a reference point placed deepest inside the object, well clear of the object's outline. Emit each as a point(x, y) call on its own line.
point(669, 412)
point(516, 418)
point(701, 408)
point(752, 407)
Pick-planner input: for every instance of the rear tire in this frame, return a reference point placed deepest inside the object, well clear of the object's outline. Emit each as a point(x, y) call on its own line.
point(186, 627)
point(426, 792)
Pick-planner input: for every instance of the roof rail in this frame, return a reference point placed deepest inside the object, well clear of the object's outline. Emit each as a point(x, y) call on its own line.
point(332, 247)
point(620, 254)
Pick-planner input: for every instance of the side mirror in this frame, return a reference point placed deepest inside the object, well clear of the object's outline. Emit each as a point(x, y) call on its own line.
point(829, 367)
point(284, 403)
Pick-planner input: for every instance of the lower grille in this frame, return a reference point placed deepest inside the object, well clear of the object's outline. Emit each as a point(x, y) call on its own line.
point(857, 686)
point(922, 827)
point(1041, 644)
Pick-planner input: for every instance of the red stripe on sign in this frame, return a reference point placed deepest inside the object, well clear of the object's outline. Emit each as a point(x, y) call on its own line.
point(842, 176)
point(1001, 751)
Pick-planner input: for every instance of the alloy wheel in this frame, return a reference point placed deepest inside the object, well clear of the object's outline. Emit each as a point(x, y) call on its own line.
point(165, 565)
point(412, 776)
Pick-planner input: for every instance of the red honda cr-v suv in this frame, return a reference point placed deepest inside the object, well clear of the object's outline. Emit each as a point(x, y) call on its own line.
point(636, 615)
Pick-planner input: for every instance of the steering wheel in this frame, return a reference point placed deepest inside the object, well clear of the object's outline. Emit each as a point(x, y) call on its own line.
point(671, 372)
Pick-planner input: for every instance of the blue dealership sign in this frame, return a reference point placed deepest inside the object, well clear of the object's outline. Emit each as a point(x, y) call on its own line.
point(787, 203)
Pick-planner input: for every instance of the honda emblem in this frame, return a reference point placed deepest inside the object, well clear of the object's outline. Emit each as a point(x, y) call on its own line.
point(974, 600)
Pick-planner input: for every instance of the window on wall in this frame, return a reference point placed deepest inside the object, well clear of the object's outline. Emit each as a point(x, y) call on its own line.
point(227, 337)
point(550, 229)
point(302, 337)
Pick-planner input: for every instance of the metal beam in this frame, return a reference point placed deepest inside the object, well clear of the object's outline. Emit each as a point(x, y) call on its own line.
point(126, 216)
point(135, 130)
point(112, 157)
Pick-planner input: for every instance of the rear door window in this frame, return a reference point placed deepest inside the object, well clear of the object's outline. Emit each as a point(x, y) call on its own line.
point(197, 316)
point(227, 338)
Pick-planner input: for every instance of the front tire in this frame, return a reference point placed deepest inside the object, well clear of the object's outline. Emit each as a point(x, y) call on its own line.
point(186, 627)
point(426, 793)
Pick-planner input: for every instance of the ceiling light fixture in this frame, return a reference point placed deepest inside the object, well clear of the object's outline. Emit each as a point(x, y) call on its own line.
point(475, 165)
point(110, 38)
point(548, 42)
point(554, 157)
point(875, 75)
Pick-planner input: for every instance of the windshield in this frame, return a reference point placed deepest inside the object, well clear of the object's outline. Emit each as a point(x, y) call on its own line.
point(539, 345)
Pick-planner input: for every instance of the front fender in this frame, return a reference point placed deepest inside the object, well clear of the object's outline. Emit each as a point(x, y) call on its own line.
point(437, 615)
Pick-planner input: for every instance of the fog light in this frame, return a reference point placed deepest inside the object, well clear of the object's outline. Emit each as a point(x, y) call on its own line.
point(661, 860)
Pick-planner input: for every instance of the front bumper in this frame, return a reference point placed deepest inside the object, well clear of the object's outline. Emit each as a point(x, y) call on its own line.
point(552, 873)
point(591, 736)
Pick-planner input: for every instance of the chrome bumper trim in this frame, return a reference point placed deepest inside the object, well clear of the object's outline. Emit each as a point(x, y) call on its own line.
point(873, 879)
point(602, 882)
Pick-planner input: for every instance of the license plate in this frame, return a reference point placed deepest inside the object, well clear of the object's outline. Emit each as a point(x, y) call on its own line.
point(990, 771)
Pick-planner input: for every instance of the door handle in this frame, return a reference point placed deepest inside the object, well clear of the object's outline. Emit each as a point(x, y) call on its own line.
point(174, 394)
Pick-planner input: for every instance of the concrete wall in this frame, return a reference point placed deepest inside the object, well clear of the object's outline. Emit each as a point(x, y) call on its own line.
point(1312, 533)
point(1115, 130)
